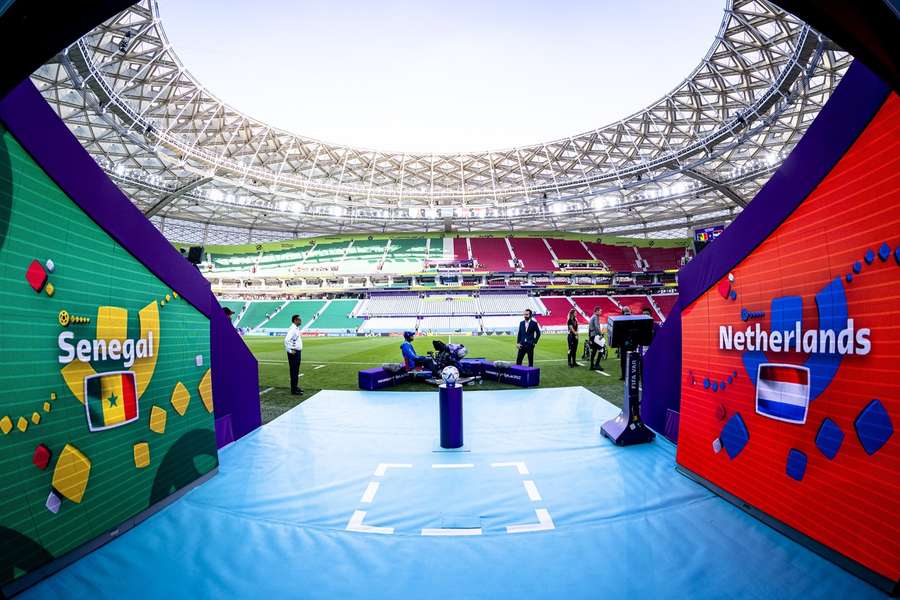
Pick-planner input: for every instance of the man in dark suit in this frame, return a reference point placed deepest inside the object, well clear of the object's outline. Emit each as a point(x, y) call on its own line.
point(529, 334)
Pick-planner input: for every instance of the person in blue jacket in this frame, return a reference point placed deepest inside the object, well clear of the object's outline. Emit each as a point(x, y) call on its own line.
point(529, 334)
point(410, 359)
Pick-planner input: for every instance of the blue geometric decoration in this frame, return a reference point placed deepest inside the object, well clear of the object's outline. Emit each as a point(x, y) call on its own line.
point(873, 427)
point(829, 438)
point(796, 464)
point(706, 383)
point(715, 386)
point(849, 277)
point(733, 295)
point(884, 252)
point(869, 256)
point(857, 267)
point(734, 436)
point(897, 254)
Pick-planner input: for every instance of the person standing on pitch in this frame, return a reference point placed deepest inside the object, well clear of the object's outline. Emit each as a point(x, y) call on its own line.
point(529, 334)
point(572, 324)
point(293, 344)
point(594, 333)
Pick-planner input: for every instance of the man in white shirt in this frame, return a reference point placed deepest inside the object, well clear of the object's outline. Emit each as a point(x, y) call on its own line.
point(293, 344)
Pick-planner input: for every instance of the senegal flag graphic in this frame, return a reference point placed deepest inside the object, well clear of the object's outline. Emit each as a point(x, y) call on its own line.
point(110, 400)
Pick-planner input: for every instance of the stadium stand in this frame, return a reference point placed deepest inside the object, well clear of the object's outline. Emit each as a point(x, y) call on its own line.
point(225, 263)
point(492, 254)
point(449, 324)
point(660, 259)
point(281, 260)
point(506, 304)
point(256, 312)
point(388, 305)
point(558, 308)
point(533, 253)
point(326, 254)
point(307, 309)
point(236, 307)
point(617, 258)
point(665, 302)
point(389, 324)
point(460, 249)
point(449, 305)
point(606, 304)
point(363, 256)
point(337, 316)
point(501, 323)
point(569, 249)
point(637, 304)
point(407, 255)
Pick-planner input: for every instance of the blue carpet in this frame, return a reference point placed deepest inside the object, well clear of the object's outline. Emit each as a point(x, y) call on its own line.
point(541, 507)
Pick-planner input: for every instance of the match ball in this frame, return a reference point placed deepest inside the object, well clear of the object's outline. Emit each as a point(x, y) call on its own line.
point(450, 375)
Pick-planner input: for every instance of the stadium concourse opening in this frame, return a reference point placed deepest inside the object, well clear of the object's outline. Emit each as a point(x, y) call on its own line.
point(654, 359)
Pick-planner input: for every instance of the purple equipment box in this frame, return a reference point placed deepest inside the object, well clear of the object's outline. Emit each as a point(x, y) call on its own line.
point(378, 378)
point(519, 375)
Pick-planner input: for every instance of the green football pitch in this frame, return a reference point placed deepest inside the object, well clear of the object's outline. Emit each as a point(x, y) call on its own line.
point(331, 363)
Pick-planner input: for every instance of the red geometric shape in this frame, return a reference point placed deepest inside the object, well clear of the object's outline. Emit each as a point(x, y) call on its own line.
point(721, 413)
point(41, 456)
point(724, 288)
point(36, 276)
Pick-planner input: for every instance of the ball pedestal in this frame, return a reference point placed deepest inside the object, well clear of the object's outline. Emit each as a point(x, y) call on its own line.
point(451, 418)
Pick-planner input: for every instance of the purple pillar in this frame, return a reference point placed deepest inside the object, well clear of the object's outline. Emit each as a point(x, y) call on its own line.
point(451, 416)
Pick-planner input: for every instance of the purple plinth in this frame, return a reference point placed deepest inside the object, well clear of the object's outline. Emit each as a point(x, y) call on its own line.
point(451, 416)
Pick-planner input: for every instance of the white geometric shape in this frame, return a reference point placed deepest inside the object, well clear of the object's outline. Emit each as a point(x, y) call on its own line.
point(520, 465)
point(369, 494)
point(533, 494)
point(545, 523)
point(383, 467)
point(356, 524)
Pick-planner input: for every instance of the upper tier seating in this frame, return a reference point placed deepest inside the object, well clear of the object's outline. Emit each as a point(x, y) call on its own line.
point(449, 305)
point(460, 249)
point(533, 253)
point(587, 304)
point(558, 307)
point(257, 312)
point(305, 308)
point(282, 260)
point(325, 254)
point(492, 254)
point(223, 263)
point(407, 255)
point(363, 256)
point(661, 259)
point(336, 316)
point(401, 304)
point(665, 302)
point(569, 249)
point(618, 258)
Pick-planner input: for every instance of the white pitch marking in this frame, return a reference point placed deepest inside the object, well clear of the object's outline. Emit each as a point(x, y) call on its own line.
point(460, 531)
point(604, 373)
point(266, 391)
point(356, 524)
point(520, 465)
point(452, 466)
point(533, 494)
point(369, 494)
point(382, 467)
point(319, 367)
point(545, 523)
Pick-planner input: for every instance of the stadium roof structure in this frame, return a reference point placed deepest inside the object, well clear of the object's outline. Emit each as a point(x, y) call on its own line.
point(207, 173)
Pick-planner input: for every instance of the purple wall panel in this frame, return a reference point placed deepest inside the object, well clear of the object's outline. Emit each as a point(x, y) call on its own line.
point(846, 114)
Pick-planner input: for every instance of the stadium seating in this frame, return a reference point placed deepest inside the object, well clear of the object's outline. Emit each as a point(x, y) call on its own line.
point(336, 317)
point(282, 260)
point(363, 256)
point(637, 304)
point(661, 259)
point(665, 302)
point(558, 307)
point(449, 305)
point(617, 258)
point(389, 324)
point(492, 254)
point(407, 255)
point(305, 308)
point(449, 324)
point(236, 307)
point(533, 253)
point(326, 254)
point(387, 305)
point(460, 249)
point(587, 304)
point(569, 249)
point(256, 312)
point(506, 304)
point(224, 263)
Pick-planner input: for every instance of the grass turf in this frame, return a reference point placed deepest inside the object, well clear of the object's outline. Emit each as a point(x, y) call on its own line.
point(332, 363)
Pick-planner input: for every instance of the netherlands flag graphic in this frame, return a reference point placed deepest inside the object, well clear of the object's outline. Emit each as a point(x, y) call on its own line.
point(782, 392)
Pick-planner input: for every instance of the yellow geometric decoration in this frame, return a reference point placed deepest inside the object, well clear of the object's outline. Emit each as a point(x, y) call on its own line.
point(35, 418)
point(144, 367)
point(168, 298)
point(53, 395)
point(6, 425)
point(73, 374)
point(141, 455)
point(205, 388)
point(47, 407)
point(174, 294)
point(180, 398)
point(158, 420)
point(112, 323)
point(50, 289)
point(70, 476)
point(22, 424)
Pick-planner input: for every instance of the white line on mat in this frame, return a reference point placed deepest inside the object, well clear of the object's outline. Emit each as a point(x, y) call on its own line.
point(544, 523)
point(356, 524)
point(369, 494)
point(382, 467)
point(533, 494)
point(520, 465)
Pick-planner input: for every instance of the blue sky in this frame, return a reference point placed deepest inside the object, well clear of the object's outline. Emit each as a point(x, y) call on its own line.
point(440, 75)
